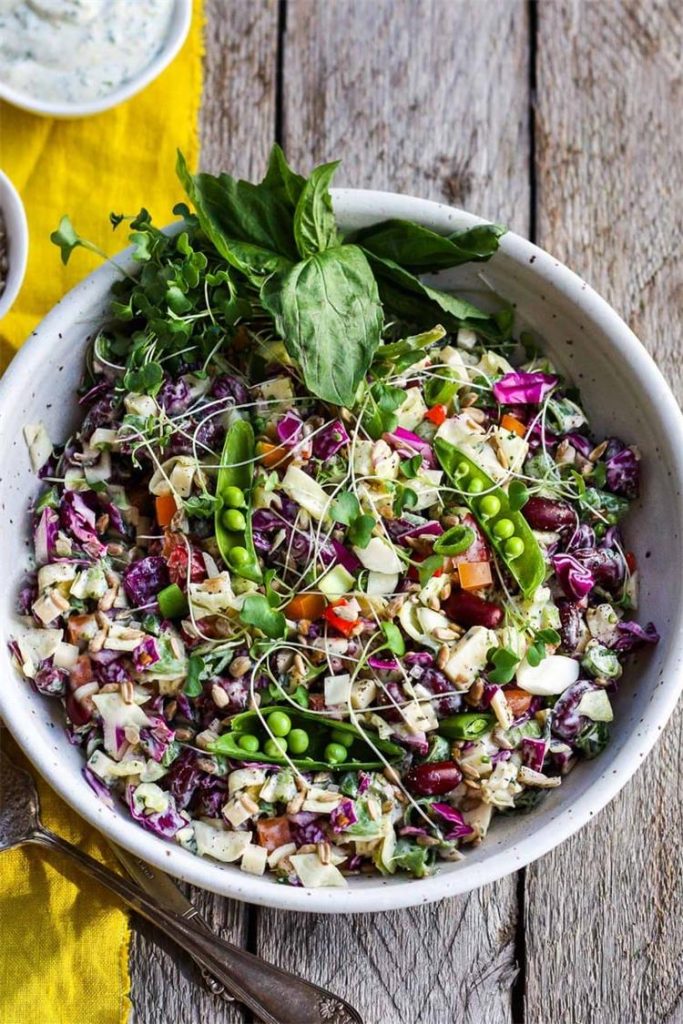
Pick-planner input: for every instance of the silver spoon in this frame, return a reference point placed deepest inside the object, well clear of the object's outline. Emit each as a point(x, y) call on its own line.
point(275, 996)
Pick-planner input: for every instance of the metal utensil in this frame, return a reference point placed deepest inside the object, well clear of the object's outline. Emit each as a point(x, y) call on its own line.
point(166, 893)
point(275, 996)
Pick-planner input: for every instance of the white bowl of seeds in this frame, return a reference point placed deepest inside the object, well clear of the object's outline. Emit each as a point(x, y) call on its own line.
point(13, 243)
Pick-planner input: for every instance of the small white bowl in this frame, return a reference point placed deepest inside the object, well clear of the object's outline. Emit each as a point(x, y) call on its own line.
point(175, 37)
point(624, 393)
point(16, 233)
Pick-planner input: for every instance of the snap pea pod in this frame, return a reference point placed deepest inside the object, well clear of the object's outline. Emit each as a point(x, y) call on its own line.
point(506, 529)
point(233, 491)
point(468, 726)
point(311, 742)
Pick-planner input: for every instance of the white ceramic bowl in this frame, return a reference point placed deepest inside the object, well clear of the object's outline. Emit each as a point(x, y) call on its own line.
point(624, 393)
point(16, 232)
point(175, 37)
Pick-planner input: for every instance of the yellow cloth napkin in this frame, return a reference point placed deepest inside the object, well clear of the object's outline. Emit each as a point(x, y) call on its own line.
point(63, 941)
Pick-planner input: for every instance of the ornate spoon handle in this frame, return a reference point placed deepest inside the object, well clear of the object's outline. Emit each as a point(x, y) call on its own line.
point(275, 996)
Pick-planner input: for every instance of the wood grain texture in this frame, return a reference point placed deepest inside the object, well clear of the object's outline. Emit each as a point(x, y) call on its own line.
point(240, 76)
point(237, 127)
point(428, 97)
point(389, 87)
point(604, 934)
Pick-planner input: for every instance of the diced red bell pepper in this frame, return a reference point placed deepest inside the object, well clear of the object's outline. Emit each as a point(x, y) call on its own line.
point(437, 415)
point(343, 626)
point(631, 561)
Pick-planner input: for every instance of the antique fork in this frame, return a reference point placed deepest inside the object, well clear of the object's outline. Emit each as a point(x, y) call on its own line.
point(275, 996)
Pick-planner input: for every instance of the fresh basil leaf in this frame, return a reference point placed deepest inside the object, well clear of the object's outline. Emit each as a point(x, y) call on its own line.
point(428, 567)
point(360, 531)
point(256, 611)
point(420, 250)
point(315, 228)
point(413, 299)
point(395, 641)
point(250, 225)
point(345, 508)
point(281, 180)
point(327, 311)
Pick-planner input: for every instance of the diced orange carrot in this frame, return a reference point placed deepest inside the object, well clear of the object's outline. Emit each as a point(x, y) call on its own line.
point(518, 700)
point(166, 508)
point(474, 575)
point(512, 424)
point(273, 832)
point(306, 606)
point(272, 455)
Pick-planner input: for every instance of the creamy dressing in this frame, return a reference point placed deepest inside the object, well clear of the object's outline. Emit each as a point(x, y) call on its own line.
point(72, 51)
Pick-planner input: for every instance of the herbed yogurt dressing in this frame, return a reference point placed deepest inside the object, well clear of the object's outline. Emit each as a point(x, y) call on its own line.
point(78, 50)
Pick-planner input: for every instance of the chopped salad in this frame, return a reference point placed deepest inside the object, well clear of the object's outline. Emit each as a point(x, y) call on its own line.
point(332, 570)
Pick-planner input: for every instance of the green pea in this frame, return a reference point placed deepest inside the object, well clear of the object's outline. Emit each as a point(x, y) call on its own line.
point(275, 748)
point(503, 529)
point(248, 743)
point(233, 519)
point(475, 486)
point(298, 741)
point(514, 547)
point(489, 506)
point(233, 497)
point(279, 723)
point(344, 738)
point(461, 471)
point(238, 556)
point(335, 753)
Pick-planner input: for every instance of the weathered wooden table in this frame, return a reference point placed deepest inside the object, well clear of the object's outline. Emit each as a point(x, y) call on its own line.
point(563, 120)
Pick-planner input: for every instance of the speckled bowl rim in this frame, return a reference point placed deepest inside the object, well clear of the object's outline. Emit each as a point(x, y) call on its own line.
point(179, 27)
point(378, 894)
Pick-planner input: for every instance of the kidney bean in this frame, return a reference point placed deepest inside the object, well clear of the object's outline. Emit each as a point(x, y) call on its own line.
point(547, 514)
point(433, 779)
point(470, 610)
point(570, 624)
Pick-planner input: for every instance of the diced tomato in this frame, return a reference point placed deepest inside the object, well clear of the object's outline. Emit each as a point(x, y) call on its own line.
point(273, 832)
point(437, 414)
point(174, 550)
point(518, 700)
point(343, 626)
point(631, 561)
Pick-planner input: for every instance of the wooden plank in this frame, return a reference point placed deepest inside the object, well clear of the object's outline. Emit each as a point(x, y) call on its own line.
point(603, 926)
point(428, 97)
point(237, 125)
point(391, 88)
